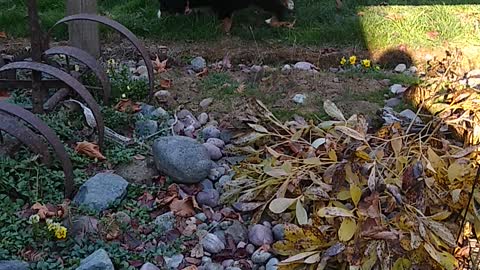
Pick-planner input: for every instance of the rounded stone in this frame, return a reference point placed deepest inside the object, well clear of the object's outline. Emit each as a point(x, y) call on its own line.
point(214, 151)
point(278, 232)
point(272, 264)
point(260, 235)
point(212, 244)
point(208, 197)
point(261, 256)
point(210, 132)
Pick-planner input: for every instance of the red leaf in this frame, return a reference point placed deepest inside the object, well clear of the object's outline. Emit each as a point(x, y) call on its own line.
point(166, 84)
point(182, 208)
point(3, 35)
point(160, 66)
point(126, 105)
point(4, 94)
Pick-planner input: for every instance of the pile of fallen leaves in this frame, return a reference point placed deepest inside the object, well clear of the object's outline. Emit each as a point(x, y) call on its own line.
point(390, 199)
point(444, 93)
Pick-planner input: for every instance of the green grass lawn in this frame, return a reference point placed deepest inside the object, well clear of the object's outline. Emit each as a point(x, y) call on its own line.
point(361, 23)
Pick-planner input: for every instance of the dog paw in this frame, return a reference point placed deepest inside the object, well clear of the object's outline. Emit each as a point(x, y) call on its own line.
point(159, 14)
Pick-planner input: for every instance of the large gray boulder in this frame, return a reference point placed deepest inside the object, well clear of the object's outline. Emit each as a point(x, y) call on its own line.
point(13, 265)
point(184, 159)
point(100, 191)
point(98, 260)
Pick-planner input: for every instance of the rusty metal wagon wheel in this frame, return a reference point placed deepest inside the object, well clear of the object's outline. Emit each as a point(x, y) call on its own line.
point(122, 30)
point(12, 119)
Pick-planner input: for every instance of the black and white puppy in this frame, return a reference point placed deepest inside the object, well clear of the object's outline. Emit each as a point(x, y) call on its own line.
point(225, 9)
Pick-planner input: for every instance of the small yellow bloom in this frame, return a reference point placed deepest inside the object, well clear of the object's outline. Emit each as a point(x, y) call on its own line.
point(61, 232)
point(343, 61)
point(366, 63)
point(53, 226)
point(352, 60)
point(33, 219)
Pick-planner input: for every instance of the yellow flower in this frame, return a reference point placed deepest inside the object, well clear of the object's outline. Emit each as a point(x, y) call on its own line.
point(343, 61)
point(53, 226)
point(33, 219)
point(366, 63)
point(61, 232)
point(352, 60)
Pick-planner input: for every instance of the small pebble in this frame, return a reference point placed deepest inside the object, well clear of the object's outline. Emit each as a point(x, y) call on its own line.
point(250, 249)
point(228, 263)
point(286, 68)
point(260, 235)
point(397, 89)
point(256, 68)
point(393, 102)
point(206, 102)
point(217, 142)
point(203, 118)
point(299, 98)
point(208, 197)
point(210, 132)
point(272, 264)
point(400, 68)
point(278, 232)
point(211, 243)
point(149, 266)
point(242, 244)
point(201, 216)
point(215, 152)
point(206, 184)
point(198, 64)
point(216, 173)
point(173, 262)
point(213, 266)
point(261, 256)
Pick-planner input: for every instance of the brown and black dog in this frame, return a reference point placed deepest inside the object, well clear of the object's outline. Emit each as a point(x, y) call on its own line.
point(225, 8)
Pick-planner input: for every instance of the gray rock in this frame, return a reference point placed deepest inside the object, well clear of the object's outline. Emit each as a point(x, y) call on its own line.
point(208, 197)
point(206, 260)
point(146, 127)
point(225, 224)
point(206, 184)
point(260, 235)
point(98, 260)
point(393, 102)
point(210, 132)
point(216, 173)
point(201, 216)
point(211, 243)
point(267, 224)
point(203, 118)
point(100, 191)
point(122, 217)
point(250, 249)
point(198, 64)
point(173, 262)
point(400, 68)
point(165, 222)
point(13, 265)
point(228, 263)
point(160, 113)
point(226, 136)
point(213, 266)
point(202, 226)
point(397, 89)
point(188, 119)
point(299, 98)
point(222, 182)
point(221, 235)
point(206, 102)
point(272, 264)
point(412, 69)
point(304, 66)
point(410, 115)
point(185, 160)
point(278, 232)
point(233, 268)
point(142, 70)
point(385, 82)
point(261, 256)
point(146, 110)
point(256, 68)
point(137, 171)
point(178, 127)
point(238, 232)
point(286, 68)
point(79, 226)
point(217, 142)
point(334, 70)
point(149, 266)
point(215, 152)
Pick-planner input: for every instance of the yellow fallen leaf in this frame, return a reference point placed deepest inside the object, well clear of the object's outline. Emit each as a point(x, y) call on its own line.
point(402, 264)
point(347, 229)
point(356, 194)
point(334, 212)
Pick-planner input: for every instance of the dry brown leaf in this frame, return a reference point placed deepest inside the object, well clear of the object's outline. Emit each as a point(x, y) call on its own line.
point(164, 198)
point(182, 208)
point(240, 89)
point(165, 84)
point(159, 66)
point(89, 149)
point(42, 211)
point(126, 105)
point(202, 73)
point(3, 35)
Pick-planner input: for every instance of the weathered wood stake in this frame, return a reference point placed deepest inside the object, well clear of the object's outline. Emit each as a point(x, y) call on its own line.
point(84, 35)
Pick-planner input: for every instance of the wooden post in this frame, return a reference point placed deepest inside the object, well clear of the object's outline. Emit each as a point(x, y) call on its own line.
point(82, 34)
